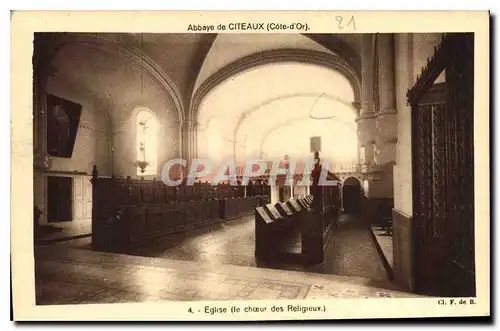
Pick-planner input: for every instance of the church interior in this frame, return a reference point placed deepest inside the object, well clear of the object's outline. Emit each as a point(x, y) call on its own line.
point(389, 117)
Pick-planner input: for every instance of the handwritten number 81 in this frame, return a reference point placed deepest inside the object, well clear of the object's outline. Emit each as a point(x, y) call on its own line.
point(342, 22)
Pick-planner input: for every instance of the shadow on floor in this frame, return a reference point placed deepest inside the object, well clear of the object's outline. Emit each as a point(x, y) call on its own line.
point(351, 250)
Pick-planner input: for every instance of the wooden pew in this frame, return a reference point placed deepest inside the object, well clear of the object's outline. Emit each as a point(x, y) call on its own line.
point(294, 205)
point(277, 234)
point(237, 207)
point(290, 232)
point(266, 226)
point(127, 212)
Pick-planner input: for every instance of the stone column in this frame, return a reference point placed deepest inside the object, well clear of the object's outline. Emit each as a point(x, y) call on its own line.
point(193, 141)
point(275, 195)
point(41, 158)
point(366, 118)
point(188, 139)
point(367, 73)
point(201, 141)
point(42, 70)
point(360, 157)
point(386, 121)
point(386, 130)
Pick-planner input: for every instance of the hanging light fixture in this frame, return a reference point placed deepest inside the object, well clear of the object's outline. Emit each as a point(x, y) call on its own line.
point(142, 164)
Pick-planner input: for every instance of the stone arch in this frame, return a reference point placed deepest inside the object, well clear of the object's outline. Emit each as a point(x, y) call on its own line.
point(330, 61)
point(48, 45)
point(255, 108)
point(352, 181)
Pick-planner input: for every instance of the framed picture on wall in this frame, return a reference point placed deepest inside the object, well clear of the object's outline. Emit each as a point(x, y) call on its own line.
point(63, 118)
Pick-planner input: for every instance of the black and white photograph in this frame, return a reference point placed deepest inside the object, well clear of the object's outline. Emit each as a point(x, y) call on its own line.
point(253, 161)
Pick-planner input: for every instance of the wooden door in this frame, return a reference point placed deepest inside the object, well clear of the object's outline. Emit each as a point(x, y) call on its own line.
point(443, 171)
point(60, 198)
point(82, 193)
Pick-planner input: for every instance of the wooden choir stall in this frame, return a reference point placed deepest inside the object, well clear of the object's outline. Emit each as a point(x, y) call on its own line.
point(128, 212)
point(297, 231)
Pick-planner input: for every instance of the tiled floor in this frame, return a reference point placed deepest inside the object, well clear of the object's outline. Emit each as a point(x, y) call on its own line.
point(66, 275)
point(214, 263)
point(60, 231)
point(351, 250)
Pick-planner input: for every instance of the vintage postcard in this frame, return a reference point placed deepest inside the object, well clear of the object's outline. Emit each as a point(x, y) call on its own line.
point(219, 166)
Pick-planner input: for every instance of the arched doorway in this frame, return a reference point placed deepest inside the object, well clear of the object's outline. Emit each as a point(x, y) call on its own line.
point(351, 195)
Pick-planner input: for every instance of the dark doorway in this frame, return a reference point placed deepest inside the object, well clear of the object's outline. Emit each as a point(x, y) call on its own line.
point(351, 195)
point(60, 199)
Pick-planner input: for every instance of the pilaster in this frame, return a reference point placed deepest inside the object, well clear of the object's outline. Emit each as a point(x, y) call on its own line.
point(366, 118)
point(42, 70)
point(386, 116)
point(189, 133)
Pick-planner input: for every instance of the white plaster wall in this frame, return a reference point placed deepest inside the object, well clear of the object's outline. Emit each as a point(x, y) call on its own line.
point(124, 149)
point(412, 51)
point(122, 85)
point(124, 146)
point(91, 148)
point(229, 47)
point(92, 140)
point(153, 98)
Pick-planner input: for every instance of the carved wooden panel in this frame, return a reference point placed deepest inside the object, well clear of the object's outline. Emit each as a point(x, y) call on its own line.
point(438, 169)
point(460, 75)
point(424, 165)
point(443, 171)
point(430, 162)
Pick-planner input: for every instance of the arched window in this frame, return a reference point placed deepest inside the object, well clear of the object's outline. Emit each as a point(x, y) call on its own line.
point(147, 143)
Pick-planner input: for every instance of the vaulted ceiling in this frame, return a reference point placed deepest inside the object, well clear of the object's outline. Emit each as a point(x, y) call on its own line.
point(190, 58)
point(271, 110)
point(110, 68)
